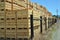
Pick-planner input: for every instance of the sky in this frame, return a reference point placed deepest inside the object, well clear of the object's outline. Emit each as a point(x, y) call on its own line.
point(51, 5)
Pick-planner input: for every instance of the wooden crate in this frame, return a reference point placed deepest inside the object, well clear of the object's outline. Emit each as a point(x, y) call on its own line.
point(17, 5)
point(11, 29)
point(2, 23)
point(2, 30)
point(2, 14)
point(7, 5)
point(11, 35)
point(2, 35)
point(20, 2)
point(2, 5)
point(22, 13)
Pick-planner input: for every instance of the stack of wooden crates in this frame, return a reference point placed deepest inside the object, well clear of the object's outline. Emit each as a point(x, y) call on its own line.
point(14, 24)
